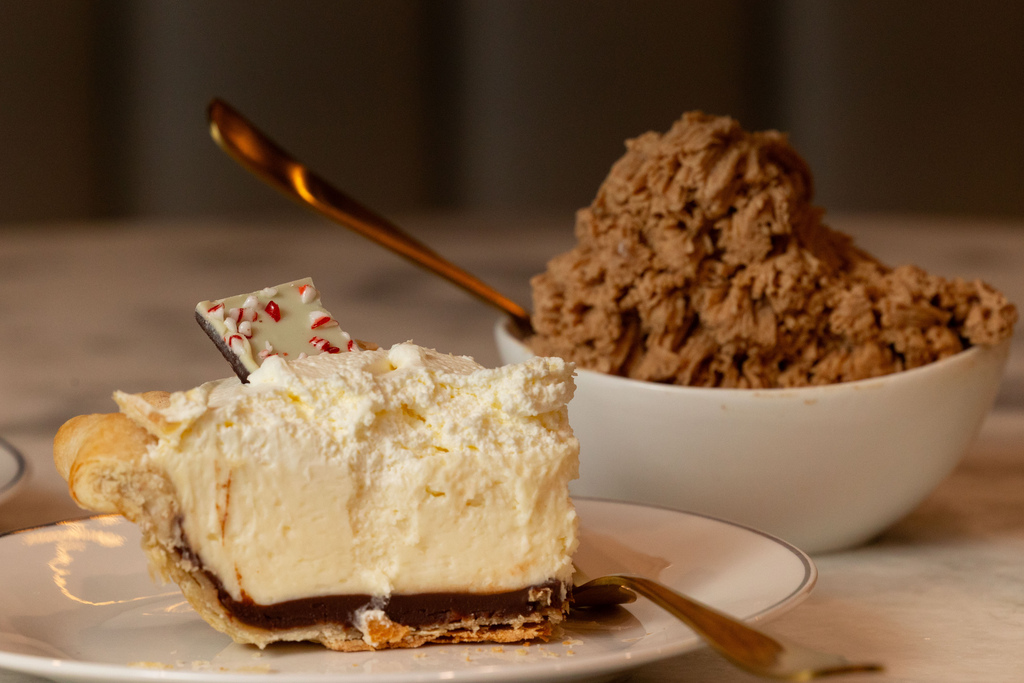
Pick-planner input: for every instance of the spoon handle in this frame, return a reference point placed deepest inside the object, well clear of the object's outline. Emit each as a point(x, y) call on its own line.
point(744, 646)
point(260, 155)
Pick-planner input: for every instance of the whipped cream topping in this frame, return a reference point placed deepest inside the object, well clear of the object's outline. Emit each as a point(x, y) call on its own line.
point(378, 472)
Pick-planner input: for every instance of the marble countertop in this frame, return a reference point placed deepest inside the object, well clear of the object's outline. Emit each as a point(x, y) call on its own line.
point(90, 308)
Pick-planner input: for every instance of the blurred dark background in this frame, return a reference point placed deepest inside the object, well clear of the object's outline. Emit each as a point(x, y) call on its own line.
point(914, 106)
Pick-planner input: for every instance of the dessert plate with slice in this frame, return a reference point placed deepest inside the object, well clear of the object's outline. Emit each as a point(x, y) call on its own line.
point(12, 469)
point(79, 605)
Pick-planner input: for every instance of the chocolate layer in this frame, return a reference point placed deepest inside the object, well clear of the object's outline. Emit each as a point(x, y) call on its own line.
point(418, 610)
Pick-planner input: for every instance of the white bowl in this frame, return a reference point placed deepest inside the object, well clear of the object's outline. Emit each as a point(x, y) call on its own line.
point(824, 468)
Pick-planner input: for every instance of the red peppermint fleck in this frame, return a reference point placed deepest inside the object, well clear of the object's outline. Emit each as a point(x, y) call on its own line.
point(351, 345)
point(273, 310)
point(216, 311)
point(323, 345)
point(320, 321)
point(236, 342)
point(267, 352)
point(243, 314)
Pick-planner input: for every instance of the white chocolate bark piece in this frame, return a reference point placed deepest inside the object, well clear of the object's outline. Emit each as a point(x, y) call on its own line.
point(287, 320)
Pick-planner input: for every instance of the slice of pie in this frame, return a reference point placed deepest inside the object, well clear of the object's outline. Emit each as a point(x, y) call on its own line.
point(363, 500)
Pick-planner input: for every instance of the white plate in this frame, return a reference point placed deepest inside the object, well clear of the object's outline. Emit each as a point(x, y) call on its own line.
point(77, 604)
point(12, 469)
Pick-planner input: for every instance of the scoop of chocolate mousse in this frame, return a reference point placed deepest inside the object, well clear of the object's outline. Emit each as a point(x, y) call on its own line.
point(703, 261)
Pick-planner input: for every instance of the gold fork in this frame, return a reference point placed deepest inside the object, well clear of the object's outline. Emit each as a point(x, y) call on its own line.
point(742, 645)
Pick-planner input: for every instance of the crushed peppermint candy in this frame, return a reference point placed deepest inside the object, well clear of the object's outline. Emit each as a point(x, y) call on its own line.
point(237, 343)
point(267, 352)
point(324, 346)
point(317, 319)
point(243, 314)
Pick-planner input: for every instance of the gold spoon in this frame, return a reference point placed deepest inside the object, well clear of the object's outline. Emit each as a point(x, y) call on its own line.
point(260, 155)
point(740, 644)
point(746, 647)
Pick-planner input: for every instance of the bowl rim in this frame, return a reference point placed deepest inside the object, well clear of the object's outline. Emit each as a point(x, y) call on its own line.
point(968, 355)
